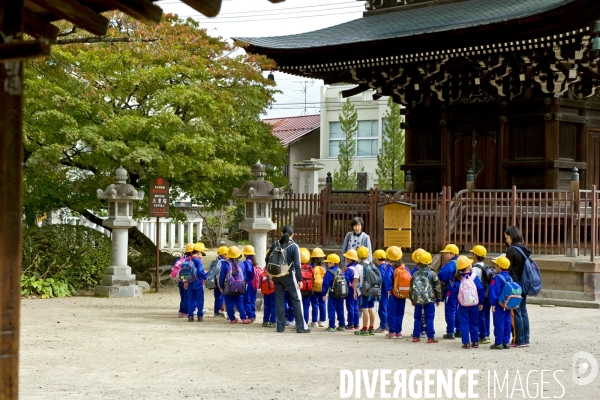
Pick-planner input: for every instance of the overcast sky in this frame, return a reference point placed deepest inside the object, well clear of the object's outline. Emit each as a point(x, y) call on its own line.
point(248, 18)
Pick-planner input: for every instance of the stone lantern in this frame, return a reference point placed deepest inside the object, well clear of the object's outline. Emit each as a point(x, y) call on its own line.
point(257, 195)
point(118, 280)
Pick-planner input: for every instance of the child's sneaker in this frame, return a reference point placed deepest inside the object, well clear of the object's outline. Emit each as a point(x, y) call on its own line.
point(457, 335)
point(350, 328)
point(234, 321)
point(265, 324)
point(252, 319)
point(379, 330)
point(448, 336)
point(341, 328)
point(247, 321)
point(466, 346)
point(180, 315)
point(321, 324)
point(497, 347)
point(505, 346)
point(475, 345)
point(190, 319)
point(272, 324)
point(390, 335)
point(362, 332)
point(527, 345)
point(200, 319)
point(415, 339)
point(485, 340)
point(289, 323)
point(330, 329)
point(432, 340)
point(398, 336)
point(371, 332)
point(356, 327)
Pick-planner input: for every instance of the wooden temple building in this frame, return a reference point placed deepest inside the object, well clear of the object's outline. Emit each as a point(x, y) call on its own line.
point(505, 88)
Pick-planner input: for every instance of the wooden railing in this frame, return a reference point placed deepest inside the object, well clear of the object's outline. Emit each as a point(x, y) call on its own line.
point(552, 221)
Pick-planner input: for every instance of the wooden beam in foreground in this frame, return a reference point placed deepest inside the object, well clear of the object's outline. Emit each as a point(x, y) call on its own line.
point(37, 27)
point(23, 50)
point(75, 12)
point(142, 10)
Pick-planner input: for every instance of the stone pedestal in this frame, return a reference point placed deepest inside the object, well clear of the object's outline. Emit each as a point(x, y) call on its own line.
point(364, 180)
point(309, 175)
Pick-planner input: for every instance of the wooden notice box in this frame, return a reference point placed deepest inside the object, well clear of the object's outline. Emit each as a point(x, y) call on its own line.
point(397, 224)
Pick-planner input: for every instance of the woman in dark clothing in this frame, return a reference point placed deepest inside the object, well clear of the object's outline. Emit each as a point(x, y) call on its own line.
point(288, 282)
point(514, 239)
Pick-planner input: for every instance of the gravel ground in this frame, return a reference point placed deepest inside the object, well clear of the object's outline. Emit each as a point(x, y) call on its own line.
point(97, 348)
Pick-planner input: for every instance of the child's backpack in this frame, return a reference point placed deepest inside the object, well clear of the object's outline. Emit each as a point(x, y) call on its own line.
point(308, 275)
point(255, 282)
point(214, 270)
point(467, 291)
point(177, 267)
point(401, 282)
point(531, 281)
point(234, 280)
point(371, 285)
point(267, 286)
point(319, 274)
point(339, 287)
point(511, 295)
point(277, 265)
point(349, 274)
point(422, 290)
point(187, 271)
point(487, 274)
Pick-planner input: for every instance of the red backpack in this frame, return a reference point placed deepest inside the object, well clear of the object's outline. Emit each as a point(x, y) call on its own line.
point(255, 282)
point(308, 276)
point(267, 286)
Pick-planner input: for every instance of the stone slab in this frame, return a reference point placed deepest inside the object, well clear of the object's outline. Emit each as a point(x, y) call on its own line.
point(568, 295)
point(118, 280)
point(117, 270)
point(118, 291)
point(563, 302)
point(144, 285)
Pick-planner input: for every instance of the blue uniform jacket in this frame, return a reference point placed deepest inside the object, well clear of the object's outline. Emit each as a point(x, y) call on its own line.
point(387, 277)
point(349, 274)
point(446, 275)
point(496, 287)
point(248, 269)
point(328, 279)
point(225, 265)
point(478, 285)
point(200, 274)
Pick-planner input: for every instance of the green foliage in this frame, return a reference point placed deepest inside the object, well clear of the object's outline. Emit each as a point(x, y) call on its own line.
point(391, 156)
point(235, 215)
point(345, 177)
point(143, 259)
point(58, 286)
point(68, 254)
point(167, 101)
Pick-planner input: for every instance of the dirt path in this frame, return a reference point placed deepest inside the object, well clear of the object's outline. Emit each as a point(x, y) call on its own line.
point(94, 348)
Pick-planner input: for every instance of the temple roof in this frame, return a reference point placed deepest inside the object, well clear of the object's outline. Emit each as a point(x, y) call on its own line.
point(411, 22)
point(291, 129)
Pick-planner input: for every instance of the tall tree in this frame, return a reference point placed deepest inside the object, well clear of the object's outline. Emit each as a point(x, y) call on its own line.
point(167, 101)
point(345, 177)
point(391, 154)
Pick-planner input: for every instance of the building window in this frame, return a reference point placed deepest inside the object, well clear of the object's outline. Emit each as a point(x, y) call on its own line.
point(366, 138)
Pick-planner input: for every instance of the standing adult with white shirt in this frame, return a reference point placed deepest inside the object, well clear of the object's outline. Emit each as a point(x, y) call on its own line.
point(356, 238)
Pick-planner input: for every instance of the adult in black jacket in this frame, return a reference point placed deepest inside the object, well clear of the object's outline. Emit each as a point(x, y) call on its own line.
point(290, 282)
point(514, 239)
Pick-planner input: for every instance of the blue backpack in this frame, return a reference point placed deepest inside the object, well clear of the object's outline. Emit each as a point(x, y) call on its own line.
point(187, 273)
point(531, 281)
point(510, 298)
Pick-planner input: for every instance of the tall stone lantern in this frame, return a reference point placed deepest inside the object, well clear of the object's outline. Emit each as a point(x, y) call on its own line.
point(118, 280)
point(257, 195)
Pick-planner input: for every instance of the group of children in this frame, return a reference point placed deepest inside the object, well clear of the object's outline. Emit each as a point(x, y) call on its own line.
point(470, 290)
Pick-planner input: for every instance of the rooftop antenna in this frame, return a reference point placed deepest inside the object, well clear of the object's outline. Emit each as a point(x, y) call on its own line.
point(305, 85)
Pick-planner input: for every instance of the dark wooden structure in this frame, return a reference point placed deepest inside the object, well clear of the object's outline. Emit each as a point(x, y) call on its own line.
point(35, 17)
point(505, 88)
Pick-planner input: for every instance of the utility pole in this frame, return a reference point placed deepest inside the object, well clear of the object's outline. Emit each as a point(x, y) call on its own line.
point(305, 85)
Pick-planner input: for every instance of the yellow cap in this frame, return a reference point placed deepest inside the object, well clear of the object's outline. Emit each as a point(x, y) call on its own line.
point(200, 247)
point(450, 248)
point(304, 256)
point(362, 252)
point(317, 253)
point(222, 250)
point(393, 253)
point(378, 254)
point(425, 258)
point(463, 262)
point(333, 259)
point(351, 255)
point(249, 251)
point(502, 262)
point(479, 250)
point(189, 247)
point(233, 253)
point(415, 254)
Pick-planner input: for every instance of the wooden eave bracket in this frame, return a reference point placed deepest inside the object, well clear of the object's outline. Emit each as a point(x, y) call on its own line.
point(211, 8)
point(16, 51)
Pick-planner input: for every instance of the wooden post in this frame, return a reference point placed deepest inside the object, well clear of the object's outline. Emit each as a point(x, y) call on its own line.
point(11, 202)
point(157, 252)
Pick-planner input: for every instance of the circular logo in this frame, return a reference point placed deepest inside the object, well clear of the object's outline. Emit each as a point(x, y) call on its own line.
point(584, 364)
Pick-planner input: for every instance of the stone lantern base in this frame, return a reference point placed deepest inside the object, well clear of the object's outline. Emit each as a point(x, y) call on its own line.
point(118, 282)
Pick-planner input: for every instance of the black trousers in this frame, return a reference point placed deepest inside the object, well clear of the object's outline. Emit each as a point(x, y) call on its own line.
point(289, 283)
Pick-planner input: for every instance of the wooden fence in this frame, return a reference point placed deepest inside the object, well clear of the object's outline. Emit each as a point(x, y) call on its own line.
point(552, 221)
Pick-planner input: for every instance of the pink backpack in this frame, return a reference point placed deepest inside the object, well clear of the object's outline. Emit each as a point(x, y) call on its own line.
point(256, 281)
point(467, 292)
point(177, 267)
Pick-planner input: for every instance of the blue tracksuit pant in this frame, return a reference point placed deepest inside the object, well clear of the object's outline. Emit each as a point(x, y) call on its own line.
point(335, 306)
point(235, 301)
point(218, 300)
point(318, 307)
point(250, 301)
point(451, 315)
point(396, 313)
point(183, 298)
point(484, 319)
point(269, 308)
point(383, 310)
point(289, 309)
point(195, 298)
point(352, 308)
point(502, 325)
point(469, 324)
point(429, 317)
point(306, 302)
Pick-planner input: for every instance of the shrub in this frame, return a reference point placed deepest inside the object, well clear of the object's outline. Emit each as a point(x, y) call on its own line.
point(60, 255)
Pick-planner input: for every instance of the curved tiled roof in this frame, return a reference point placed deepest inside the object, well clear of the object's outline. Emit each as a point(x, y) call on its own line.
point(290, 129)
point(410, 22)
